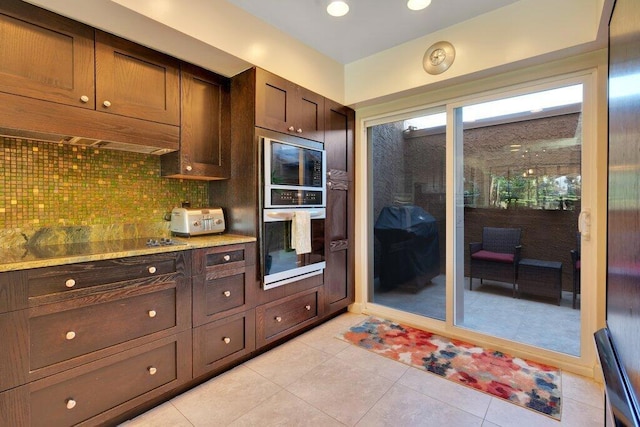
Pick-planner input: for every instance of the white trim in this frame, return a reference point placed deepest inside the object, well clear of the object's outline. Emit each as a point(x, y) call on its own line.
point(590, 70)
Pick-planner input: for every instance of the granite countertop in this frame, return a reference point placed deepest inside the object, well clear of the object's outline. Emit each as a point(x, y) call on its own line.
point(25, 257)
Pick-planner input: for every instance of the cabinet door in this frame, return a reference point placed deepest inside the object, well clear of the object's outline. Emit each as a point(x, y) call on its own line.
point(274, 96)
point(205, 127)
point(310, 117)
point(284, 107)
point(339, 282)
point(134, 81)
point(49, 57)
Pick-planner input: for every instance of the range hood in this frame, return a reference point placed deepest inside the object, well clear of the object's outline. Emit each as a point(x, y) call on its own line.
point(22, 117)
point(113, 145)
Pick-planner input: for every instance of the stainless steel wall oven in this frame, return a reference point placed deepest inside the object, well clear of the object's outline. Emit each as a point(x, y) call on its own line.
point(294, 184)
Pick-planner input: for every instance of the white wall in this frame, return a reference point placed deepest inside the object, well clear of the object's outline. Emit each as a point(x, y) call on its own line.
point(521, 34)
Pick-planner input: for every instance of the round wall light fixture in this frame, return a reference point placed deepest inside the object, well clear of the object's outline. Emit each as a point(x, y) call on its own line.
point(418, 4)
point(438, 58)
point(338, 8)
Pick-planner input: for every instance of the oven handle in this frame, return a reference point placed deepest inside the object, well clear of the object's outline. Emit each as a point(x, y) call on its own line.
point(287, 214)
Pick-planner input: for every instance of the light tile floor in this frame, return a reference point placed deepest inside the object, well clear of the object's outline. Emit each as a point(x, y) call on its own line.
point(491, 309)
point(319, 380)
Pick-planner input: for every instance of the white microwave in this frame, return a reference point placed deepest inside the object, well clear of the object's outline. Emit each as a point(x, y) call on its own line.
point(294, 174)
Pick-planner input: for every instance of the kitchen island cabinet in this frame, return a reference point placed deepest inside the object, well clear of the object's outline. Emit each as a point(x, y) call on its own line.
point(205, 128)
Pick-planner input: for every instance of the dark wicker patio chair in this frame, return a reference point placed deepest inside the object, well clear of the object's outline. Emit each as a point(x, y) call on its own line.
point(496, 257)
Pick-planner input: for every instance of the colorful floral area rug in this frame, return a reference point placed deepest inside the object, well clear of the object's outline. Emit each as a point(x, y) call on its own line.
point(525, 383)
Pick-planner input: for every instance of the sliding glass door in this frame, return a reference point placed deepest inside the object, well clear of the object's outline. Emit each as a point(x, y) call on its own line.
point(474, 209)
point(409, 211)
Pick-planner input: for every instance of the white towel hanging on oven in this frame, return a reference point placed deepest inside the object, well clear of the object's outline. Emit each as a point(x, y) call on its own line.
point(301, 232)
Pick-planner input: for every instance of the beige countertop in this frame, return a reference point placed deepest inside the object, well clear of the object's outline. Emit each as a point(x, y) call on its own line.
point(25, 257)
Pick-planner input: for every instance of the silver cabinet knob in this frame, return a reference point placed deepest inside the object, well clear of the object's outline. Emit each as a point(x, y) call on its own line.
point(278, 319)
point(84, 99)
point(152, 270)
point(152, 313)
point(308, 307)
point(226, 340)
point(70, 283)
point(106, 104)
point(227, 257)
point(152, 370)
point(70, 335)
point(329, 184)
point(299, 130)
point(227, 293)
point(189, 168)
point(70, 403)
point(291, 129)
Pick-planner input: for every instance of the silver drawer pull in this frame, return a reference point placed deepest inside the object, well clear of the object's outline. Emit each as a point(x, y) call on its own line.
point(226, 258)
point(70, 283)
point(278, 319)
point(84, 99)
point(70, 335)
point(152, 313)
point(227, 293)
point(71, 403)
point(152, 270)
point(106, 104)
point(152, 370)
point(291, 128)
point(226, 340)
point(308, 307)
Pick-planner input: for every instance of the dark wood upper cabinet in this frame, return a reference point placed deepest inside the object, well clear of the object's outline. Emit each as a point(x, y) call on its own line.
point(134, 81)
point(49, 57)
point(285, 107)
point(205, 128)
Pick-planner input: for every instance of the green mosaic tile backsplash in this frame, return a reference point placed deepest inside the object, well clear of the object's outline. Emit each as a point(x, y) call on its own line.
point(48, 185)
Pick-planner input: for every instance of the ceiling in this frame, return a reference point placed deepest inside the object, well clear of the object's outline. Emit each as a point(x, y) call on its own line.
point(371, 26)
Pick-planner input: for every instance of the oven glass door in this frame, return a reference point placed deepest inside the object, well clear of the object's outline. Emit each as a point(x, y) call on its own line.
point(281, 264)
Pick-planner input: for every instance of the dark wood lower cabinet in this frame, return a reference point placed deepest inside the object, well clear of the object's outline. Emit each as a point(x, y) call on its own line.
point(277, 319)
point(219, 343)
point(92, 391)
point(99, 352)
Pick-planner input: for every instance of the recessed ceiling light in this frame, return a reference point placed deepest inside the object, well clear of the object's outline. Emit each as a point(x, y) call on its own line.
point(418, 4)
point(338, 8)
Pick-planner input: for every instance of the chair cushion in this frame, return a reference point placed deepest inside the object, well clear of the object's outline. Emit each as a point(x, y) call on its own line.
point(493, 256)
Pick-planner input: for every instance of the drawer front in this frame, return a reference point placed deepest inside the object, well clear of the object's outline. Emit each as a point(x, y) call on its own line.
point(212, 297)
point(59, 336)
point(59, 402)
point(223, 341)
point(65, 278)
point(280, 317)
point(220, 258)
point(226, 257)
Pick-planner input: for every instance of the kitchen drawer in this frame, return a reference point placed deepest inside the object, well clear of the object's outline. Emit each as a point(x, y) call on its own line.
point(286, 315)
point(124, 379)
point(57, 336)
point(218, 343)
point(66, 278)
point(220, 258)
point(213, 298)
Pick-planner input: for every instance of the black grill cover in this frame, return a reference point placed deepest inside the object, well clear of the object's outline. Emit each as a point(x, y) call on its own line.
point(410, 252)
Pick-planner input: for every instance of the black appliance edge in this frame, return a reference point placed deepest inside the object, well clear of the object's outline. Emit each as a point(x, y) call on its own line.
point(620, 396)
